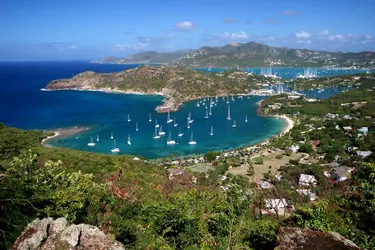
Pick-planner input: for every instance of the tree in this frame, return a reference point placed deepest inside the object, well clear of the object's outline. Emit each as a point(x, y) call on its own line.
point(211, 155)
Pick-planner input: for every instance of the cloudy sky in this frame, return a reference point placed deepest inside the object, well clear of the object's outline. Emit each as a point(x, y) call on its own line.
point(91, 29)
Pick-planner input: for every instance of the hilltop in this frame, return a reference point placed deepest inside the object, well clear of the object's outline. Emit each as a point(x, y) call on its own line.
point(251, 55)
point(176, 84)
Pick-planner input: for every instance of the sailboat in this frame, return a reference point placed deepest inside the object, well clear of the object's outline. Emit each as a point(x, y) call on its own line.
point(198, 104)
point(206, 116)
point(192, 142)
point(180, 134)
point(91, 143)
point(136, 126)
point(111, 136)
point(156, 123)
point(129, 120)
point(170, 141)
point(212, 131)
point(246, 118)
point(161, 132)
point(169, 120)
point(210, 110)
point(114, 149)
point(188, 124)
point(156, 135)
point(228, 117)
point(189, 118)
point(174, 122)
point(234, 124)
point(97, 137)
point(129, 140)
point(149, 117)
point(227, 100)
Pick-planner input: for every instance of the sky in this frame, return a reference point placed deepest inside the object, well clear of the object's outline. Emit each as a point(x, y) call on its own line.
point(92, 29)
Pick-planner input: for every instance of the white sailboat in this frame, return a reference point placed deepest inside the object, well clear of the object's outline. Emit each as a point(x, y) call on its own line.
point(114, 149)
point(192, 142)
point(212, 131)
point(156, 135)
point(198, 105)
point(174, 122)
point(227, 100)
point(91, 143)
point(136, 126)
point(156, 124)
point(188, 124)
point(228, 117)
point(169, 120)
point(161, 132)
point(234, 124)
point(180, 134)
point(97, 137)
point(246, 118)
point(210, 112)
point(170, 141)
point(129, 140)
point(129, 120)
point(149, 117)
point(206, 116)
point(111, 136)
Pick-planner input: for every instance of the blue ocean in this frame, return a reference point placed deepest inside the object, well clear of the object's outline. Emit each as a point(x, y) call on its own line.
point(24, 105)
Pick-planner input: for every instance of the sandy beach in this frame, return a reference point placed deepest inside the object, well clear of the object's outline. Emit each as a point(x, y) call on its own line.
point(61, 133)
point(289, 124)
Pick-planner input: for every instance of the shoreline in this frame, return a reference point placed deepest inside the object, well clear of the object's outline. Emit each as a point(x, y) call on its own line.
point(61, 133)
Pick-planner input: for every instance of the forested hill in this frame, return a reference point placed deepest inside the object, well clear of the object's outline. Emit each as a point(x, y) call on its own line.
point(251, 54)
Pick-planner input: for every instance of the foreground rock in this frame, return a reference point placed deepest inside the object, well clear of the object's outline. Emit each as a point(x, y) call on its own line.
point(293, 238)
point(49, 234)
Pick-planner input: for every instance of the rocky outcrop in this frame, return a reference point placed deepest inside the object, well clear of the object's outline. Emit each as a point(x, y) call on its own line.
point(49, 234)
point(293, 238)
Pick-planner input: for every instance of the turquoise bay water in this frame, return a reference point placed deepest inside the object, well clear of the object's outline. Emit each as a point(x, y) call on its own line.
point(23, 105)
point(142, 142)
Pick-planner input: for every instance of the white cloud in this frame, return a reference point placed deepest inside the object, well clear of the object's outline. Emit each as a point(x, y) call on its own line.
point(304, 41)
point(337, 37)
point(324, 33)
point(186, 25)
point(303, 35)
point(71, 46)
point(142, 43)
point(235, 36)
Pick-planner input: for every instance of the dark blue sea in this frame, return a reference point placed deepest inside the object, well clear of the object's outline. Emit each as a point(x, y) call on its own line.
point(24, 105)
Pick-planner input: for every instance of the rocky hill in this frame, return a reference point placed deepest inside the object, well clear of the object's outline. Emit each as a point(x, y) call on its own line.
point(253, 55)
point(176, 84)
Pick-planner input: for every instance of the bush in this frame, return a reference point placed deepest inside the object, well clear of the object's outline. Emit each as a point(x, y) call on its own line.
point(211, 155)
point(279, 156)
point(250, 171)
point(258, 160)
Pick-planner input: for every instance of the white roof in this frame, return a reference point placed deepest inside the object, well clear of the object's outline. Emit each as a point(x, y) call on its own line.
point(276, 203)
point(307, 179)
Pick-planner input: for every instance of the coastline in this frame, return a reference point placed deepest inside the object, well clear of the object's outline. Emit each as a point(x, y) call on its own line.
point(62, 133)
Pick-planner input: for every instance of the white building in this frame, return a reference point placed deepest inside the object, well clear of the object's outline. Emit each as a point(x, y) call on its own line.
point(307, 180)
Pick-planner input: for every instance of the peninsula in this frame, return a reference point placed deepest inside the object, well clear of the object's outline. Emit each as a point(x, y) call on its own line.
point(176, 84)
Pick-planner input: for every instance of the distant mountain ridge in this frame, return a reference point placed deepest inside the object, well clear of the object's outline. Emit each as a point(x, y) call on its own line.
point(251, 54)
point(148, 57)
